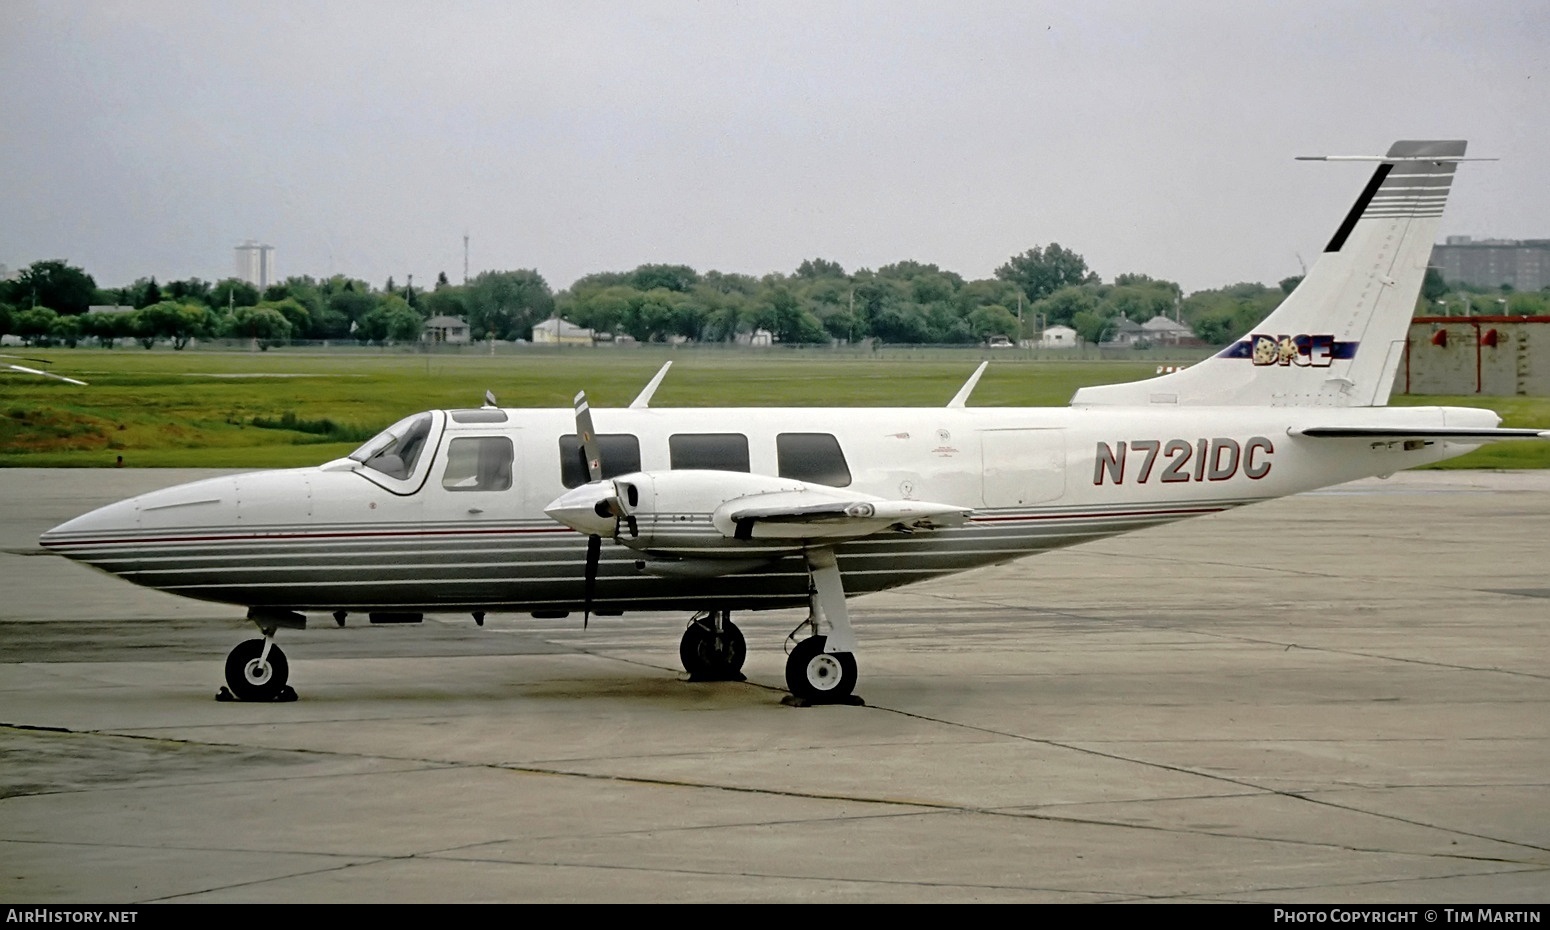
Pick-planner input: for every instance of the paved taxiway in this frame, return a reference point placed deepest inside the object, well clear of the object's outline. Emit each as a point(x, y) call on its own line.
point(1341, 697)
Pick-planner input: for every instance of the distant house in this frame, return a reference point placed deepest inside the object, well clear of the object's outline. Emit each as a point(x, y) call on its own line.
point(557, 332)
point(1058, 337)
point(760, 338)
point(1125, 334)
point(1165, 332)
point(451, 329)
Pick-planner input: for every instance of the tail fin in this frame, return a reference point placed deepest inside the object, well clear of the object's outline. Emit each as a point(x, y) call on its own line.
point(1338, 338)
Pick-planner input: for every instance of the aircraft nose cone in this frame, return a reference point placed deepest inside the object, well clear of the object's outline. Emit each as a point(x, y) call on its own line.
point(95, 538)
point(585, 509)
point(100, 534)
point(71, 537)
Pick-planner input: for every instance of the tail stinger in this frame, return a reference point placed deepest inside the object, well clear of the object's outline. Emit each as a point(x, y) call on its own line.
point(1339, 337)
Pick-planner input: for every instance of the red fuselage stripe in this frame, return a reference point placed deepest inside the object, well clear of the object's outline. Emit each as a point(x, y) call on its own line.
point(299, 536)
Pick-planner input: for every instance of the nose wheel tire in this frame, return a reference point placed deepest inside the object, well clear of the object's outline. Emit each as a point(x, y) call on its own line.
point(818, 676)
point(708, 655)
point(250, 677)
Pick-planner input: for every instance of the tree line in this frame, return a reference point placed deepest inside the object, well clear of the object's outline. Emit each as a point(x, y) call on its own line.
point(47, 303)
point(906, 302)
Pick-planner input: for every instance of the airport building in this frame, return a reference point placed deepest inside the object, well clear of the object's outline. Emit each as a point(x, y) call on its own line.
point(1492, 355)
point(255, 263)
point(1522, 264)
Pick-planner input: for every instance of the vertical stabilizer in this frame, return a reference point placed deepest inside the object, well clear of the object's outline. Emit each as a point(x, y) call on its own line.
point(1338, 338)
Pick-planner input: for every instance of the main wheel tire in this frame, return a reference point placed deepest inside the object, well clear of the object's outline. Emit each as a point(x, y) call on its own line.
point(819, 676)
point(249, 680)
point(707, 655)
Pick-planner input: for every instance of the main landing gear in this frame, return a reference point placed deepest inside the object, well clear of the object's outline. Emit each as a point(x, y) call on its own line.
point(256, 670)
point(818, 677)
point(821, 669)
point(713, 648)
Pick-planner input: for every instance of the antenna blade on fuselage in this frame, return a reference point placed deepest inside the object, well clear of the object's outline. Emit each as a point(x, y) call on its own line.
point(961, 399)
point(644, 397)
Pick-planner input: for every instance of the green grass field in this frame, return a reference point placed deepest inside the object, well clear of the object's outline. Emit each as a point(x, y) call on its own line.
point(278, 409)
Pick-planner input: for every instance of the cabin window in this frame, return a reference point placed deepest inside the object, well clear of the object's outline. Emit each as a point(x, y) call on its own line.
point(620, 453)
point(719, 451)
point(814, 457)
point(395, 450)
point(478, 463)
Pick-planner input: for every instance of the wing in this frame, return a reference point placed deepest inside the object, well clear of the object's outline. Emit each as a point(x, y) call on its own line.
point(1457, 434)
point(47, 374)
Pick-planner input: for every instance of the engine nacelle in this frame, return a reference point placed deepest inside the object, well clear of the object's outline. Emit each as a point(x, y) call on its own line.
point(694, 515)
point(674, 512)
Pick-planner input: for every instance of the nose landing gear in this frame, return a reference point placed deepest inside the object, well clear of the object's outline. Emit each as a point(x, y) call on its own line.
point(253, 675)
point(256, 670)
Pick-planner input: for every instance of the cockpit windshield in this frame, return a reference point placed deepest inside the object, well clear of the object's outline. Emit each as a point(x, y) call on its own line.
point(394, 451)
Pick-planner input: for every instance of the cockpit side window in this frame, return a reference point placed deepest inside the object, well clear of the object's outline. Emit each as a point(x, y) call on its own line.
point(395, 450)
point(620, 453)
point(478, 463)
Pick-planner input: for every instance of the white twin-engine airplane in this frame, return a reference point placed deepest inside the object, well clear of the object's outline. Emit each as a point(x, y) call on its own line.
point(721, 510)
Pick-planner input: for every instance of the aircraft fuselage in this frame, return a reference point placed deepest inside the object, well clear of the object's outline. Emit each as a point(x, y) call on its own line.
point(442, 536)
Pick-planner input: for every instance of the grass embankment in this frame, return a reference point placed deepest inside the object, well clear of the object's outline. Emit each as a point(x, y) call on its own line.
point(279, 409)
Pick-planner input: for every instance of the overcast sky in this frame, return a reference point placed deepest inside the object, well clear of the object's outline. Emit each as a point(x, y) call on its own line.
point(149, 137)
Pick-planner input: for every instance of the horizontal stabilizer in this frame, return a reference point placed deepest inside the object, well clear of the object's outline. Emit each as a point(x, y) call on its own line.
point(1461, 434)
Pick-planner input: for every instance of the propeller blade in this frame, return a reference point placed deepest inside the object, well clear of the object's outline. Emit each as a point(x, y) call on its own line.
point(588, 437)
point(594, 552)
point(603, 505)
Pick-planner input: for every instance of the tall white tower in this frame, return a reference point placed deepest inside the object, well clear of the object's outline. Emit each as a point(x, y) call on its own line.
point(255, 263)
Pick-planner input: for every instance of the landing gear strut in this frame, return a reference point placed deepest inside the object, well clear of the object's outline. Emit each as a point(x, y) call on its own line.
point(712, 648)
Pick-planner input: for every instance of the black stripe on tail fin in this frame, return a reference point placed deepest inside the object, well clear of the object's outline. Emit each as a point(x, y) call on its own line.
point(1358, 208)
